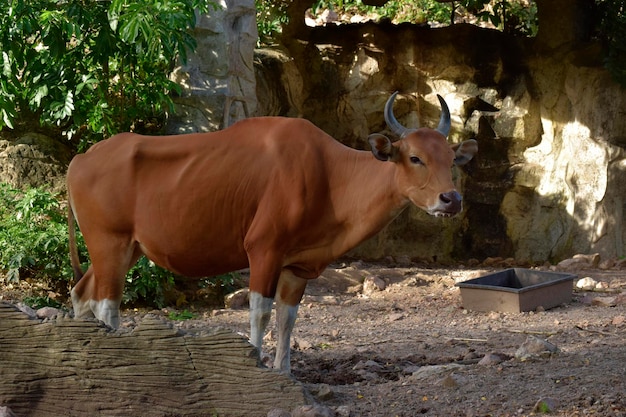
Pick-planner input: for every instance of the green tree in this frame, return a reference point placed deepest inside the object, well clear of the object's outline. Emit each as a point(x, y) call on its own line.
point(553, 23)
point(92, 67)
point(612, 18)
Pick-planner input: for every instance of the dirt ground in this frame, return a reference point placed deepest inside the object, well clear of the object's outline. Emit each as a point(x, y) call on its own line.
point(411, 348)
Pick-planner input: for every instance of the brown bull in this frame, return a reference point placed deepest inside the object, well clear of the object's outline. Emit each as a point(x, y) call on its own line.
point(277, 195)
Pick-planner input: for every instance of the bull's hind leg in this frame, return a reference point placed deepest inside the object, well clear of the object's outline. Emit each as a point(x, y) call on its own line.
point(83, 286)
point(86, 304)
point(99, 292)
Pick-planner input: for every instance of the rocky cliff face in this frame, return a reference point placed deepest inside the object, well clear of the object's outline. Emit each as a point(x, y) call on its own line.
point(547, 182)
point(550, 177)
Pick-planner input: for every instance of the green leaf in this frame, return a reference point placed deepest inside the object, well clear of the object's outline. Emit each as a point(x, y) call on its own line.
point(40, 93)
point(6, 119)
point(6, 64)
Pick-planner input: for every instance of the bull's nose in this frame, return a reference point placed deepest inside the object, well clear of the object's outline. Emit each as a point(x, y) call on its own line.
point(451, 202)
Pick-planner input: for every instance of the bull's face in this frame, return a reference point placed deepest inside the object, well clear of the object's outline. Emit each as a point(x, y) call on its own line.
point(424, 160)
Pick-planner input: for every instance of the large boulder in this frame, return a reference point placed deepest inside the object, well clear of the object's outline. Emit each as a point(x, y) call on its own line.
point(34, 160)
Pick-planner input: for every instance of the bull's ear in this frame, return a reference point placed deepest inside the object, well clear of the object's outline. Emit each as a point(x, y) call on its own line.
point(464, 151)
point(382, 148)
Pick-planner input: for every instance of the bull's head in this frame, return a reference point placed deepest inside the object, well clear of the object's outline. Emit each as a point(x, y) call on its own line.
point(424, 160)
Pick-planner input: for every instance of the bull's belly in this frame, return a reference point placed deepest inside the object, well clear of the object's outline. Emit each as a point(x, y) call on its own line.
point(199, 262)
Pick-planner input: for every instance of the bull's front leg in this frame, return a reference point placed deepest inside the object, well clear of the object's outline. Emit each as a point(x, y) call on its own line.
point(260, 313)
point(288, 296)
point(285, 321)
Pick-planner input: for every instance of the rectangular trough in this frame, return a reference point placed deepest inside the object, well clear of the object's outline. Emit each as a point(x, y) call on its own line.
point(515, 290)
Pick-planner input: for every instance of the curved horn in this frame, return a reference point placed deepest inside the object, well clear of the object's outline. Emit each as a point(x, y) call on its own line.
point(444, 121)
point(390, 119)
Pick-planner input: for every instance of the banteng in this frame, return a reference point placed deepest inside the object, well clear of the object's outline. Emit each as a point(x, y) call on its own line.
point(277, 195)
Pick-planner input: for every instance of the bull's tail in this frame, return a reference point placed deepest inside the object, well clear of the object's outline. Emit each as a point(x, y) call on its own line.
point(71, 220)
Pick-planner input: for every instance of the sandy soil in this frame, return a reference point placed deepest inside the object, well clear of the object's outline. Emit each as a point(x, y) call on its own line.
point(411, 348)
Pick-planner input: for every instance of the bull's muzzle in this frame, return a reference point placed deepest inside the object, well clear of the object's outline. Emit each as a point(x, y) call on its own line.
point(450, 203)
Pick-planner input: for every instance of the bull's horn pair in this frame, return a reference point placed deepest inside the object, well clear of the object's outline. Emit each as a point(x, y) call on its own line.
point(398, 129)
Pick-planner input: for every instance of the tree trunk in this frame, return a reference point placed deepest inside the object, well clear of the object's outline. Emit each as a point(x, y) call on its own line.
point(564, 22)
point(67, 367)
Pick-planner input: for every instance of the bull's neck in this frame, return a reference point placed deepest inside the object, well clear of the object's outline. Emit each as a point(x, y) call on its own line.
point(370, 197)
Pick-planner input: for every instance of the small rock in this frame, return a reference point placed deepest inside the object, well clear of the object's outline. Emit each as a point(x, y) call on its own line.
point(592, 259)
point(546, 405)
point(471, 356)
point(329, 16)
point(278, 412)
point(493, 359)
point(492, 261)
point(342, 411)
point(586, 284)
point(403, 260)
point(573, 264)
point(237, 300)
point(27, 310)
point(580, 261)
point(606, 264)
point(535, 347)
point(312, 411)
point(373, 284)
point(428, 371)
point(494, 315)
point(473, 262)
point(369, 365)
point(602, 286)
point(355, 289)
point(586, 300)
point(604, 301)
point(618, 320)
point(358, 265)
point(330, 300)
point(47, 312)
point(396, 316)
point(323, 392)
point(301, 344)
point(448, 381)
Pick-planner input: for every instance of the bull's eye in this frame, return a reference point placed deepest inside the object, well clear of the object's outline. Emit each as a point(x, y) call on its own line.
point(415, 160)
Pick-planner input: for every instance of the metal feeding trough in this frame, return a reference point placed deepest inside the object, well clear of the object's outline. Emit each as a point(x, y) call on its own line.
point(516, 290)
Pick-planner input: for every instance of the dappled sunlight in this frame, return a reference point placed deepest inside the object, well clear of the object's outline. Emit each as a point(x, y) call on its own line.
point(574, 170)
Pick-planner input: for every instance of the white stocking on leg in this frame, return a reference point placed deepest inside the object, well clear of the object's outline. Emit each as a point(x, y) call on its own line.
point(285, 320)
point(260, 313)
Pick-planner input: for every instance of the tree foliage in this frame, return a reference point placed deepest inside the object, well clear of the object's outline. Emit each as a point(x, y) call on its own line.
point(33, 235)
point(605, 18)
point(612, 23)
point(92, 67)
point(517, 16)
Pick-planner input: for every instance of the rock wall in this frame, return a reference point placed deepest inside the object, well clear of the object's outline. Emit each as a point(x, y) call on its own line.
point(547, 182)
